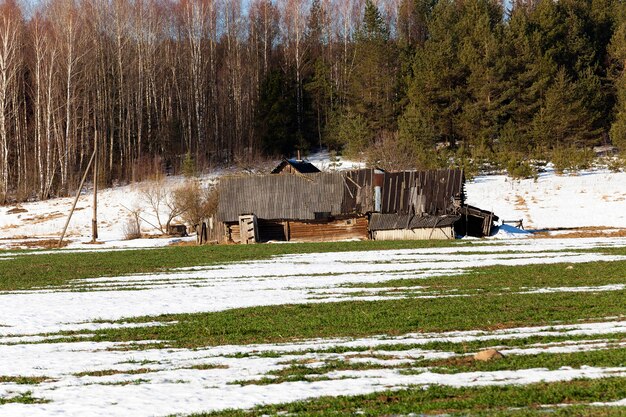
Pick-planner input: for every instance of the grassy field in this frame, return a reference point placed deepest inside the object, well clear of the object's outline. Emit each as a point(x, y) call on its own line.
point(448, 318)
point(29, 269)
point(438, 400)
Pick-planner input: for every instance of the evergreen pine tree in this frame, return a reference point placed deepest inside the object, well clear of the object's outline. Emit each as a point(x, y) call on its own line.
point(437, 90)
point(563, 121)
point(486, 105)
point(276, 124)
point(617, 51)
point(373, 85)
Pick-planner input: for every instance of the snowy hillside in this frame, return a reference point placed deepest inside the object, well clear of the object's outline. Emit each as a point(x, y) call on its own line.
point(589, 199)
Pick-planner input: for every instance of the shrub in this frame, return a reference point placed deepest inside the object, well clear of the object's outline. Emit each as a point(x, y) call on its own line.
point(194, 202)
point(162, 202)
point(132, 226)
point(520, 169)
point(189, 166)
point(571, 159)
point(616, 164)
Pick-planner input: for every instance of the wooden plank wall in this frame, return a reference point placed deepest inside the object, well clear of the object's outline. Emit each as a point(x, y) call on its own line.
point(358, 196)
point(306, 231)
point(280, 196)
point(354, 228)
point(433, 191)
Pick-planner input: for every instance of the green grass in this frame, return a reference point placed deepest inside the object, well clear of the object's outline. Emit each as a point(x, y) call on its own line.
point(615, 357)
point(283, 323)
point(494, 278)
point(300, 371)
point(57, 269)
point(123, 383)
point(487, 401)
point(23, 398)
point(502, 342)
point(207, 366)
point(488, 308)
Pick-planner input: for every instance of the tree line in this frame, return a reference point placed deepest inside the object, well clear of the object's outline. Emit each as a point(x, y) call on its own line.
point(168, 83)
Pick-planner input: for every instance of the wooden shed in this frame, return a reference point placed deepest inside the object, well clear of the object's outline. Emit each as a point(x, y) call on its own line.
point(289, 208)
point(358, 204)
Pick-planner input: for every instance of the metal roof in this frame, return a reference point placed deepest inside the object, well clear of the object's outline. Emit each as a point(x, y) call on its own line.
point(303, 167)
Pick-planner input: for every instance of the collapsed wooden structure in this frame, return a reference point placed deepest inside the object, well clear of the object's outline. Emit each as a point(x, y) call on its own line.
point(358, 204)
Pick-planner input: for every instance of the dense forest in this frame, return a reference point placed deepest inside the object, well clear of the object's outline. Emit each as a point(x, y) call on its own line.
point(158, 84)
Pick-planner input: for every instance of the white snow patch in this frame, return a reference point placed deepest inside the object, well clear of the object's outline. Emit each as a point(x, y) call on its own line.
point(591, 198)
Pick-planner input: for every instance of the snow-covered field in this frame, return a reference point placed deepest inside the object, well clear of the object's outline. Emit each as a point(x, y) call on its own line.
point(164, 381)
point(116, 379)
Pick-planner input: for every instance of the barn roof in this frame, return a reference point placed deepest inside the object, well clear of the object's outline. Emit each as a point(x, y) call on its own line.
point(280, 196)
point(303, 167)
point(315, 195)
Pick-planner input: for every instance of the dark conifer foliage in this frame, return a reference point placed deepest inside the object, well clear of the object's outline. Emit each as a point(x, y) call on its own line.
point(220, 81)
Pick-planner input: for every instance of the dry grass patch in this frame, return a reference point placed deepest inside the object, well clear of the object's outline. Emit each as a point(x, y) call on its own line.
point(40, 244)
point(17, 210)
point(24, 380)
point(108, 372)
point(583, 232)
point(45, 217)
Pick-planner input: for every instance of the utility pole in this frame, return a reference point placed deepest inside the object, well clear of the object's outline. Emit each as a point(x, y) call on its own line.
point(94, 220)
point(80, 188)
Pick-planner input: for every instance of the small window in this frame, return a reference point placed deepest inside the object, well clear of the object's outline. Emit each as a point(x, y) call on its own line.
point(322, 215)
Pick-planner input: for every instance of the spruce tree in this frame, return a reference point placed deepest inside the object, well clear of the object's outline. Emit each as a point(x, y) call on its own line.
point(276, 124)
point(317, 82)
point(617, 50)
point(486, 105)
point(373, 85)
point(563, 121)
point(437, 91)
point(412, 28)
point(524, 82)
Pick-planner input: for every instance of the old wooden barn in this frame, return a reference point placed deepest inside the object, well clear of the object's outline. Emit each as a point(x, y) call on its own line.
point(358, 204)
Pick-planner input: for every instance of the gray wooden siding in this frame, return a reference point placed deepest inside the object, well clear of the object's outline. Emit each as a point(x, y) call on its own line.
point(280, 196)
point(313, 196)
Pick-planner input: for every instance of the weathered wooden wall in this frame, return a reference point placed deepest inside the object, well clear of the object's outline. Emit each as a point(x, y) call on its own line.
point(306, 231)
point(280, 196)
point(353, 228)
point(380, 221)
point(431, 192)
point(300, 197)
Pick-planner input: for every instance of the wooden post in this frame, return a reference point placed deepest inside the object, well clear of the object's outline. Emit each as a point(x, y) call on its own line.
point(80, 188)
point(94, 220)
